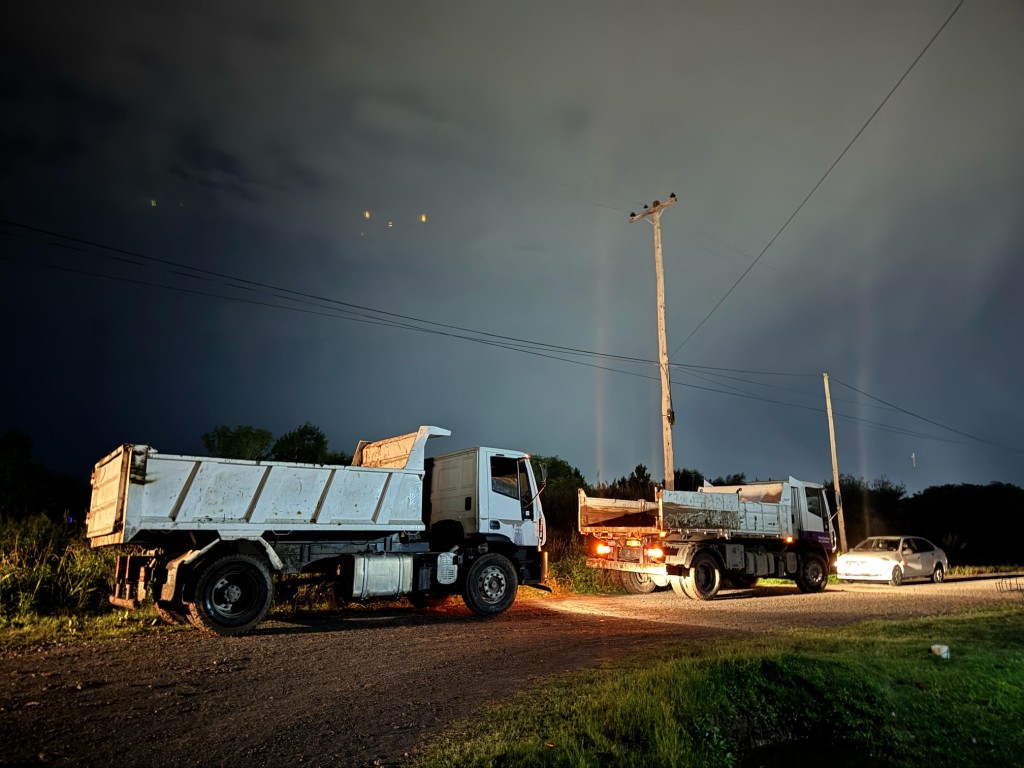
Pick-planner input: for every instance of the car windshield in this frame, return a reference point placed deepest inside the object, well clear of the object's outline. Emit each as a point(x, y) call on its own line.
point(878, 545)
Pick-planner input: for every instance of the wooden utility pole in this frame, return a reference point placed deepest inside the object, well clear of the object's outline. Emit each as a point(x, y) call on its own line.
point(653, 214)
point(835, 467)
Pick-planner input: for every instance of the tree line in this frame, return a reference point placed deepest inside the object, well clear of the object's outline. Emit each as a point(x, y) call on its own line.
point(306, 445)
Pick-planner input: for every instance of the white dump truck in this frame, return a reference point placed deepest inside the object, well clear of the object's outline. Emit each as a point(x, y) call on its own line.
point(701, 540)
point(214, 531)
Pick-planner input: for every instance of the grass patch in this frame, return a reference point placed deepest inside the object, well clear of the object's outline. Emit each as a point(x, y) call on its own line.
point(42, 631)
point(875, 688)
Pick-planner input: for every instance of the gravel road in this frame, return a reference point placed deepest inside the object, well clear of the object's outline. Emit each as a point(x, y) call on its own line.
point(365, 687)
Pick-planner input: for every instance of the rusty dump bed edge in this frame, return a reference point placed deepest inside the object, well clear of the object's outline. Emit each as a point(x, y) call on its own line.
point(617, 515)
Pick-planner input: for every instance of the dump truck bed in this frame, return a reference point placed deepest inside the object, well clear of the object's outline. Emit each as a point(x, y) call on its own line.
point(684, 511)
point(137, 490)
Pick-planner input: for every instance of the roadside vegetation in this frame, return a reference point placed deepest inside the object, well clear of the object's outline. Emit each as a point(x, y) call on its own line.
point(54, 587)
point(867, 695)
point(48, 568)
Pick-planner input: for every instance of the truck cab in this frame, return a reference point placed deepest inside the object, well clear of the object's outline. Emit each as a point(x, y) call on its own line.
point(488, 493)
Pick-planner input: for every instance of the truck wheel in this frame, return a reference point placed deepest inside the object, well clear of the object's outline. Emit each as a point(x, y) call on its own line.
point(232, 595)
point(897, 577)
point(813, 575)
point(490, 585)
point(637, 583)
point(704, 579)
point(678, 584)
point(742, 580)
point(170, 613)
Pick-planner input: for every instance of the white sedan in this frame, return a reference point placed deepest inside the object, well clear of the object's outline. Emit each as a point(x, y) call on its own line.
point(894, 559)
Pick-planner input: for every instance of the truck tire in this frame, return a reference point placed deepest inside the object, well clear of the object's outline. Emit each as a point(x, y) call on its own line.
point(742, 580)
point(232, 595)
point(171, 613)
point(705, 577)
point(490, 585)
point(678, 584)
point(813, 574)
point(637, 583)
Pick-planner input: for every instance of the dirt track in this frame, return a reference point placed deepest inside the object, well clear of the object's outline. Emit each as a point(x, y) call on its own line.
point(367, 687)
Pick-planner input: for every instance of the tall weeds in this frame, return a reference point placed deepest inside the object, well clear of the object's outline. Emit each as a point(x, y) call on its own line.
point(48, 568)
point(567, 554)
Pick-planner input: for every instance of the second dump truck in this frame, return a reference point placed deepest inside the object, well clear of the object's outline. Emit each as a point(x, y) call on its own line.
point(208, 534)
point(698, 541)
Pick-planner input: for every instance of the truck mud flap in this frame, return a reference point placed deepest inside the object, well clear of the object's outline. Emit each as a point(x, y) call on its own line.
point(131, 573)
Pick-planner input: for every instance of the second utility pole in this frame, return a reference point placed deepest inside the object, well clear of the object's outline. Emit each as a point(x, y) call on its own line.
point(668, 415)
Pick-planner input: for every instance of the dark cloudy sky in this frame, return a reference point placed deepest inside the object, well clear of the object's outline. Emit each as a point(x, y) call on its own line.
point(247, 140)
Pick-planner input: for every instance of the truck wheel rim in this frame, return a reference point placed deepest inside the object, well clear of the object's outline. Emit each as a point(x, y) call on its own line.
point(492, 584)
point(703, 577)
point(228, 595)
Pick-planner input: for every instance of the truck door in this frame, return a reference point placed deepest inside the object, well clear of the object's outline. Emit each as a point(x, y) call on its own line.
point(510, 499)
point(813, 515)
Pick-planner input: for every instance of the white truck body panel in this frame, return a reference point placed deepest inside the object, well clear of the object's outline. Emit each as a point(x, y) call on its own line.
point(773, 509)
point(138, 489)
point(724, 511)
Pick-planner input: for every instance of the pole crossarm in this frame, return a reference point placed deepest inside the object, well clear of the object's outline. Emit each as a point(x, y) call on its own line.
point(657, 207)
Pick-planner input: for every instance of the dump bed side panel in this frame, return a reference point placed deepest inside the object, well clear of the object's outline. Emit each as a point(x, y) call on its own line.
point(186, 492)
point(608, 515)
point(689, 510)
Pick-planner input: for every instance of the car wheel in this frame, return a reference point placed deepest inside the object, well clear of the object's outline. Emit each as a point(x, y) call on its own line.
point(939, 574)
point(897, 577)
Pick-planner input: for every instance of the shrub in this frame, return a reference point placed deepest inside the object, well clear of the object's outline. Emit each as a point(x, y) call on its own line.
point(49, 568)
point(567, 554)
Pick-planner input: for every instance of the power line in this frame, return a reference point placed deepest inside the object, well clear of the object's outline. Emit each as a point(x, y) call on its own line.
point(337, 314)
point(927, 420)
point(358, 313)
point(822, 179)
point(303, 297)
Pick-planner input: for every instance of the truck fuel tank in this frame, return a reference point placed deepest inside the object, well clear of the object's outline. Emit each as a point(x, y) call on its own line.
point(375, 575)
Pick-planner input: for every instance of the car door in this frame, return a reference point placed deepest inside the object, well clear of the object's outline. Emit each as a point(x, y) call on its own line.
point(911, 558)
point(926, 555)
